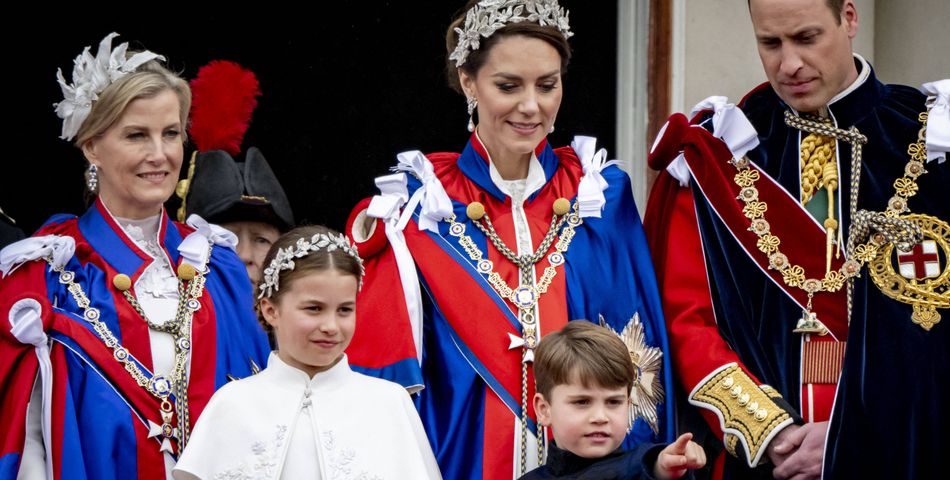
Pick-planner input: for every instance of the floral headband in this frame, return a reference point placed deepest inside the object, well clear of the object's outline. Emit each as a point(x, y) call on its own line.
point(284, 259)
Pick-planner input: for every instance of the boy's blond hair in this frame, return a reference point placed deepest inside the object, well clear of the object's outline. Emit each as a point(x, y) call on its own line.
point(584, 352)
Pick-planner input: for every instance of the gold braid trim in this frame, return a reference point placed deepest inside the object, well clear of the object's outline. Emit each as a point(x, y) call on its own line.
point(816, 151)
point(746, 411)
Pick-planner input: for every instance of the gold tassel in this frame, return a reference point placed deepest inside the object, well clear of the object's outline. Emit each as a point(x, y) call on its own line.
point(829, 175)
point(184, 185)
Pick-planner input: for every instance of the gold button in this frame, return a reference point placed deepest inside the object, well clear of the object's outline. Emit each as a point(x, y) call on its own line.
point(122, 282)
point(744, 399)
point(727, 383)
point(475, 211)
point(752, 407)
point(761, 414)
point(186, 271)
point(562, 206)
point(736, 391)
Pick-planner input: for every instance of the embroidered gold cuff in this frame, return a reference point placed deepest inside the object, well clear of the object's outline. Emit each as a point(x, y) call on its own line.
point(771, 392)
point(747, 414)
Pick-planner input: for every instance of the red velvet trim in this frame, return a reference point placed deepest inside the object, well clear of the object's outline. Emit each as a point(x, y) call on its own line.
point(668, 146)
point(498, 442)
point(57, 407)
point(376, 242)
point(381, 314)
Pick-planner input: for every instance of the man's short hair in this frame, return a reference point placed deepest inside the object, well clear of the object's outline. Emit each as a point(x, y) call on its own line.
point(582, 351)
point(834, 5)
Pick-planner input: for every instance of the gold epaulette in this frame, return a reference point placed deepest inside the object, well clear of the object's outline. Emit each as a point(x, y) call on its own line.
point(748, 414)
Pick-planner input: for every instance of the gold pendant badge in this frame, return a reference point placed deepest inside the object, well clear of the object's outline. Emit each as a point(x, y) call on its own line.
point(919, 276)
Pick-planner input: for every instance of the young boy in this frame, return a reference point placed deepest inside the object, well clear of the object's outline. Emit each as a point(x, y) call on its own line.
point(584, 375)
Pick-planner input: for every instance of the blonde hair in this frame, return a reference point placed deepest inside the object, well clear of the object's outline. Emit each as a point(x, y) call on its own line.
point(148, 80)
point(585, 352)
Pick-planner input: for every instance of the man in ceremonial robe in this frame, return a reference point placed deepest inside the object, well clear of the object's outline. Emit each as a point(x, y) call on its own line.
point(801, 245)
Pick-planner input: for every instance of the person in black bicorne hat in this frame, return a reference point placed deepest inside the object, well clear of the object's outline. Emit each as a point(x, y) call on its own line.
point(9, 232)
point(244, 197)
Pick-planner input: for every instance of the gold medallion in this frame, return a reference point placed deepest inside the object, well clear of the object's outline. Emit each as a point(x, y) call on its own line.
point(919, 276)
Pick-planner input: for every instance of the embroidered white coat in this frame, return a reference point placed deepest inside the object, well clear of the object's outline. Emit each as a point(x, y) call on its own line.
point(267, 427)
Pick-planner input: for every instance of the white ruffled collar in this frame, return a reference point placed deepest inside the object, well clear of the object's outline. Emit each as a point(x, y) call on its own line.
point(158, 280)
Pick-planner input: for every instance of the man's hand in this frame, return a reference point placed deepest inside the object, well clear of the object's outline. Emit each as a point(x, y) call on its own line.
point(780, 447)
point(677, 457)
point(801, 451)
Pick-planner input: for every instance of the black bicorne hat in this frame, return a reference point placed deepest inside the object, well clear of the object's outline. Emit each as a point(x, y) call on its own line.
point(223, 190)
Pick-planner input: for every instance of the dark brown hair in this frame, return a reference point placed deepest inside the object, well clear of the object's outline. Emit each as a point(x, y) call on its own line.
point(317, 261)
point(585, 352)
point(476, 58)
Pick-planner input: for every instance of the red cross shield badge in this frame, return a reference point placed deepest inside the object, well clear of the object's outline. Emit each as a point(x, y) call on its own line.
point(920, 262)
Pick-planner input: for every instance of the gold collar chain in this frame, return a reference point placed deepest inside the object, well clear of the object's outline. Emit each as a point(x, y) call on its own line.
point(898, 230)
point(158, 385)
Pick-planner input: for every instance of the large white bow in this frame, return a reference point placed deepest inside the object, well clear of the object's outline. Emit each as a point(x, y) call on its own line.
point(436, 204)
point(59, 248)
point(26, 324)
point(730, 125)
point(938, 120)
point(194, 248)
point(590, 191)
point(393, 195)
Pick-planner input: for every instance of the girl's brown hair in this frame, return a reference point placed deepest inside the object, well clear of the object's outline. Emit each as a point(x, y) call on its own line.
point(315, 261)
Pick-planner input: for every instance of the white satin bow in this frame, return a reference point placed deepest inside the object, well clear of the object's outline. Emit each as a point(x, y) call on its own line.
point(938, 120)
point(26, 324)
point(58, 247)
point(393, 195)
point(730, 125)
point(194, 248)
point(590, 190)
point(436, 204)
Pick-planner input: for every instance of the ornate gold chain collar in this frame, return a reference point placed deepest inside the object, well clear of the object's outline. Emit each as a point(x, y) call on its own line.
point(890, 228)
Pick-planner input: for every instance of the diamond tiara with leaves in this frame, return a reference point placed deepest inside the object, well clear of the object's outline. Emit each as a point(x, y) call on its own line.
point(485, 18)
point(284, 258)
point(91, 75)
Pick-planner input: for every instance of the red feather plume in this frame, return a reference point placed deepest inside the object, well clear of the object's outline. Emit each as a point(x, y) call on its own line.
point(224, 95)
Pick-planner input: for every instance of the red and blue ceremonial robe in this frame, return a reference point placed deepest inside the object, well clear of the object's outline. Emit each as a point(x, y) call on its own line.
point(458, 349)
point(879, 379)
point(99, 425)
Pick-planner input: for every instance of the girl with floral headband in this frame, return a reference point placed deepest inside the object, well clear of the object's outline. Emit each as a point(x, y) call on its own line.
point(307, 415)
point(119, 324)
point(471, 258)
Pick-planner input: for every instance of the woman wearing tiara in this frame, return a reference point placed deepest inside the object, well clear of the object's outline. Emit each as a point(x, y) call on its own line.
point(119, 324)
point(473, 257)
